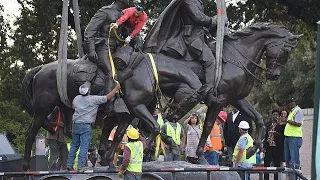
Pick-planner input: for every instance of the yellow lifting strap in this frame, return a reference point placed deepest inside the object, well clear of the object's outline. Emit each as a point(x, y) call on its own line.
point(113, 69)
point(158, 144)
point(155, 71)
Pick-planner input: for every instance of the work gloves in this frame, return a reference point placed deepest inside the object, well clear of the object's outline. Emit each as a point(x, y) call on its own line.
point(128, 39)
point(120, 173)
point(114, 25)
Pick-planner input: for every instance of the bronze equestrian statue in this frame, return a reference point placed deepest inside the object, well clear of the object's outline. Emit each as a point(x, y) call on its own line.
point(243, 51)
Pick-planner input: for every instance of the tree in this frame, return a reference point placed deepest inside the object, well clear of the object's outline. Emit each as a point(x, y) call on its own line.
point(15, 123)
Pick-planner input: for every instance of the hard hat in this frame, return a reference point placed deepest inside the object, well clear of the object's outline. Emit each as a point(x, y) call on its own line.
point(133, 133)
point(244, 125)
point(223, 116)
point(84, 88)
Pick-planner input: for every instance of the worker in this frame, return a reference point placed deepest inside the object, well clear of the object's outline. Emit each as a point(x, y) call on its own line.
point(240, 151)
point(212, 155)
point(133, 155)
point(136, 18)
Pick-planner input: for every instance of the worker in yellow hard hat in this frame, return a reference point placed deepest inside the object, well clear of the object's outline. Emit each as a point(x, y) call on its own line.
point(133, 155)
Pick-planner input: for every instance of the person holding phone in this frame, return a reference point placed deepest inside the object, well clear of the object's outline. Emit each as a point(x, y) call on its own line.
point(271, 145)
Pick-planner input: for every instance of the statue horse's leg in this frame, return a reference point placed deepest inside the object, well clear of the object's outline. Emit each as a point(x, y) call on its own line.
point(143, 114)
point(185, 99)
point(124, 122)
point(40, 115)
point(211, 116)
point(108, 124)
point(245, 107)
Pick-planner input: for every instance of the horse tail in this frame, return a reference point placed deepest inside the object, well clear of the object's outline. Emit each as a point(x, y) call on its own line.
point(27, 93)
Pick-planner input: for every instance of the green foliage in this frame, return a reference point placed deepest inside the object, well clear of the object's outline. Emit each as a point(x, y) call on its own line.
point(96, 133)
point(15, 123)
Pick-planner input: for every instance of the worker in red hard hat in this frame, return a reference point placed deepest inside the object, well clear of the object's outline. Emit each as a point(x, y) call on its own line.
point(212, 154)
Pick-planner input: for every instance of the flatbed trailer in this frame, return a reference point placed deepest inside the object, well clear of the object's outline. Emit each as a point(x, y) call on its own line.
point(156, 173)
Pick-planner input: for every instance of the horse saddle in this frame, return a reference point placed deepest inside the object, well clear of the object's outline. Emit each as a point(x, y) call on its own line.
point(83, 71)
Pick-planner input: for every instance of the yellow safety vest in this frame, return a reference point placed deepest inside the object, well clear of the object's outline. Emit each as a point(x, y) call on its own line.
point(160, 120)
point(291, 130)
point(175, 134)
point(135, 164)
point(252, 159)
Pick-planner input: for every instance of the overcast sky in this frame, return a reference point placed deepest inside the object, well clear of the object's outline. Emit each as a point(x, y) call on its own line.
point(11, 9)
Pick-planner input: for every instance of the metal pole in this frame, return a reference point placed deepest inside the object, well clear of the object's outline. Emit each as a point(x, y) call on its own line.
point(208, 175)
point(173, 177)
point(261, 175)
point(315, 167)
point(279, 175)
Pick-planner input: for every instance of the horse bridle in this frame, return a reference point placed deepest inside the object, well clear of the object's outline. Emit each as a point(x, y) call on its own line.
point(275, 61)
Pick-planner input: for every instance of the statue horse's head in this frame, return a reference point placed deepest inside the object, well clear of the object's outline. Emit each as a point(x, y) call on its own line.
point(277, 49)
point(276, 41)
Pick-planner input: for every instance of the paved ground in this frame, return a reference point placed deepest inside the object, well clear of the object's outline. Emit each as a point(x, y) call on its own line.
point(306, 149)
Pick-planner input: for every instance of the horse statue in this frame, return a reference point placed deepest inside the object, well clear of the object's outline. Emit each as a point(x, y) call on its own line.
point(243, 51)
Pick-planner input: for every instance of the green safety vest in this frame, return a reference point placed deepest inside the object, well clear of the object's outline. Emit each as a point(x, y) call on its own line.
point(175, 134)
point(160, 120)
point(252, 159)
point(135, 164)
point(291, 130)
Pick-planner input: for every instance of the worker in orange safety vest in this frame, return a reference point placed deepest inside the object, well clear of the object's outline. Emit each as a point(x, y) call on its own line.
point(212, 154)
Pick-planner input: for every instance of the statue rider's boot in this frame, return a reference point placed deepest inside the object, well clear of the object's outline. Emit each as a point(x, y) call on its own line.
point(208, 90)
point(116, 104)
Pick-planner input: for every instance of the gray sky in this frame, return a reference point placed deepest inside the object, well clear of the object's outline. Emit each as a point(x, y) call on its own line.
point(11, 9)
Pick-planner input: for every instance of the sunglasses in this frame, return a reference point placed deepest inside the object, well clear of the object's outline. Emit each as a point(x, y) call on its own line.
point(139, 8)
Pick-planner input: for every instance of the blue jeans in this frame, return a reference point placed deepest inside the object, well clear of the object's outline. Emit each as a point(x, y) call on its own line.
point(81, 137)
point(212, 157)
point(291, 151)
point(132, 176)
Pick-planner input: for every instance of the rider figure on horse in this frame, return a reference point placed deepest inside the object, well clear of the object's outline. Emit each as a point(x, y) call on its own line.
point(181, 34)
point(96, 38)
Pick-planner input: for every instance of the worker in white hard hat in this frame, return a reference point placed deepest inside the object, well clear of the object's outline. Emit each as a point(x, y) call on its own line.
point(245, 141)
